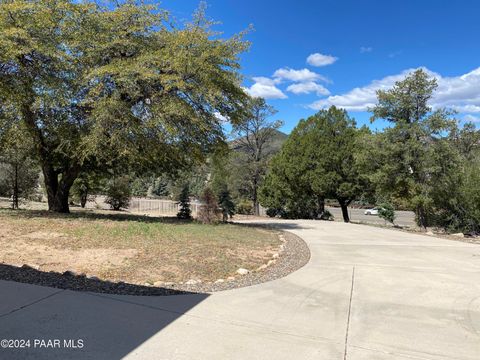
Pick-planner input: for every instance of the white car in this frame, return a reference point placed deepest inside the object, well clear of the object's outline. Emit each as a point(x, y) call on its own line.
point(373, 211)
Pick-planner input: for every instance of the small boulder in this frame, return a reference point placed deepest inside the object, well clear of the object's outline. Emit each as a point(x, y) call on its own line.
point(219, 281)
point(231, 278)
point(262, 267)
point(460, 235)
point(429, 233)
point(31, 266)
point(192, 282)
point(69, 273)
point(242, 271)
point(275, 256)
point(158, 283)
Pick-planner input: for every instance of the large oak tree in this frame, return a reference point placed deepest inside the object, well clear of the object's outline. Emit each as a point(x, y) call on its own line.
point(114, 86)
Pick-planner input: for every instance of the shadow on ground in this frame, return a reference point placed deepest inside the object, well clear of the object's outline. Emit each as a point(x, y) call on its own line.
point(79, 213)
point(100, 325)
point(71, 281)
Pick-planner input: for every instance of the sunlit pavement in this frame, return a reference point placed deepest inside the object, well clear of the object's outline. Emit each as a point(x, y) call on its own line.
point(367, 293)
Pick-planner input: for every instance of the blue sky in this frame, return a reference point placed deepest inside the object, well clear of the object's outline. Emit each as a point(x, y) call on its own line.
point(357, 47)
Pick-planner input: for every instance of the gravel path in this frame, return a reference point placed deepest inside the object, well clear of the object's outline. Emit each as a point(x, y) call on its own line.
point(295, 254)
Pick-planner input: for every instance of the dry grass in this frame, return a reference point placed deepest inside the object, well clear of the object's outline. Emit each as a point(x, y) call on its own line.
point(131, 248)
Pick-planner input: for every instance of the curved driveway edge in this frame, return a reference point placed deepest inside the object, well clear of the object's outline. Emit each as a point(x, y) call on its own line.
point(367, 293)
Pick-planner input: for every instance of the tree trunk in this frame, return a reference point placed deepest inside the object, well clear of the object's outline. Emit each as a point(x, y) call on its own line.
point(256, 205)
point(58, 190)
point(320, 207)
point(15, 187)
point(421, 218)
point(344, 205)
point(83, 199)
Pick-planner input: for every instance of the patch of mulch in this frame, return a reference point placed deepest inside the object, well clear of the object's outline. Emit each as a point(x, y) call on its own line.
point(295, 254)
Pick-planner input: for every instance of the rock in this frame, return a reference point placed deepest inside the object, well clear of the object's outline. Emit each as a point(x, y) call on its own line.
point(231, 278)
point(147, 284)
point(262, 267)
point(219, 281)
point(460, 235)
point(158, 283)
point(69, 273)
point(92, 277)
point(271, 262)
point(31, 266)
point(242, 271)
point(275, 256)
point(192, 282)
point(168, 283)
point(429, 233)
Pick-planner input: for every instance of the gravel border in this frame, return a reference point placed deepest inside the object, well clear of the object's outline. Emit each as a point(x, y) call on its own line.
point(466, 239)
point(293, 255)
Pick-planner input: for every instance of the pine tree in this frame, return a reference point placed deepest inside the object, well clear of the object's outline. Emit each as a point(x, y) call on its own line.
point(226, 204)
point(184, 202)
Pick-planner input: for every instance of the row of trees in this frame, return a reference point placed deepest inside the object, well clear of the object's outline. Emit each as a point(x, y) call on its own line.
point(423, 161)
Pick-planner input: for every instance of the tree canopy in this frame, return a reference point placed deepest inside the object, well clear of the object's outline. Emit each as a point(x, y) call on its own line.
point(114, 86)
point(316, 162)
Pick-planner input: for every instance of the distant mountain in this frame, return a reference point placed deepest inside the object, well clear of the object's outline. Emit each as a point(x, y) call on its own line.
point(272, 146)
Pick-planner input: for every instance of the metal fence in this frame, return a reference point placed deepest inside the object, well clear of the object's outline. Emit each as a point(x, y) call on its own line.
point(160, 206)
point(166, 207)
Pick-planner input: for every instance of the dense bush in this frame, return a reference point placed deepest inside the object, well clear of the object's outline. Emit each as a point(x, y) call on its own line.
point(226, 204)
point(244, 207)
point(387, 212)
point(118, 193)
point(209, 211)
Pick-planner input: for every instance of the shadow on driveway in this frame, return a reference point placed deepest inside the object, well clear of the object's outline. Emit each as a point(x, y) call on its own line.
point(64, 324)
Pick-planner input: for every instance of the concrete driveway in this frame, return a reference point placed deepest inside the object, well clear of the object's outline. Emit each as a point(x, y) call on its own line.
point(367, 293)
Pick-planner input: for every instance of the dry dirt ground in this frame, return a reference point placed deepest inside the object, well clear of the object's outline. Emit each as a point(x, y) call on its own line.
point(131, 248)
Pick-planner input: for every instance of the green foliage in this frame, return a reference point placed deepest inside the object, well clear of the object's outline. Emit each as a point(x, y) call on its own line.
point(416, 157)
point(227, 206)
point(253, 135)
point(316, 162)
point(159, 187)
point(115, 85)
point(470, 197)
point(244, 207)
point(208, 213)
point(18, 171)
point(118, 193)
point(386, 211)
point(184, 202)
point(85, 185)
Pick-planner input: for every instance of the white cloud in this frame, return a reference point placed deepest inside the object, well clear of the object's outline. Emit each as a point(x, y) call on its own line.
point(220, 117)
point(266, 81)
point(303, 75)
point(471, 118)
point(318, 59)
point(461, 93)
point(366, 49)
point(307, 88)
point(265, 87)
